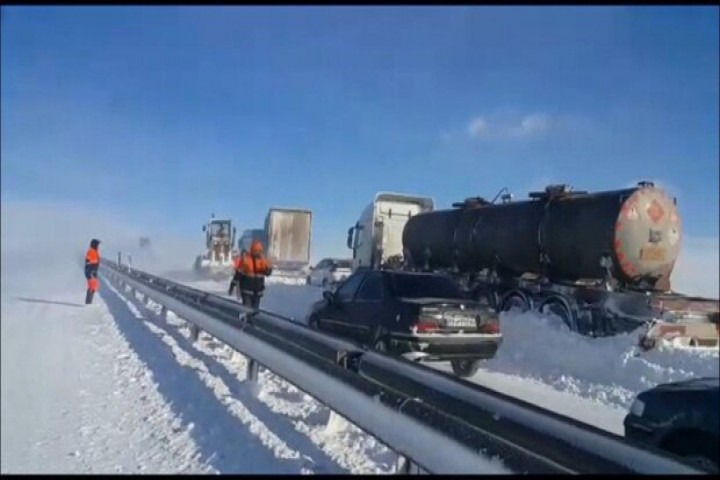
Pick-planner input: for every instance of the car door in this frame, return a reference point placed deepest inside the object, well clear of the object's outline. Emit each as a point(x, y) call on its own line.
point(336, 314)
point(365, 313)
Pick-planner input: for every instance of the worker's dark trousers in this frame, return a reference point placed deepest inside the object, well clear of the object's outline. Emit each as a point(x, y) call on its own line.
point(251, 300)
point(234, 283)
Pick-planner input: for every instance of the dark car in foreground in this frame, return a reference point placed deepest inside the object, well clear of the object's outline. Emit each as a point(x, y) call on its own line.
point(680, 418)
point(422, 316)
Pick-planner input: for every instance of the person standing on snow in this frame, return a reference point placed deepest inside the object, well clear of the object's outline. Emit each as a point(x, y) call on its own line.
point(254, 270)
point(237, 265)
point(92, 263)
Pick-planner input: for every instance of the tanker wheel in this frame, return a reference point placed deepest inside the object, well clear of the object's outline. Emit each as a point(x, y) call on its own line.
point(557, 307)
point(515, 301)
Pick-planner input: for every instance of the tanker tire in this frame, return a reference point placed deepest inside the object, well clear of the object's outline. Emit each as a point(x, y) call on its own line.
point(515, 300)
point(465, 368)
point(557, 307)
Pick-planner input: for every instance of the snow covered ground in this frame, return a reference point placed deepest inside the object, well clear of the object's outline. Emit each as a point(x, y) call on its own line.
point(111, 388)
point(75, 396)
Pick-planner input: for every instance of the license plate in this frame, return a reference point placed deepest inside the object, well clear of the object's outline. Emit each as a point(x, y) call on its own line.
point(460, 321)
point(653, 254)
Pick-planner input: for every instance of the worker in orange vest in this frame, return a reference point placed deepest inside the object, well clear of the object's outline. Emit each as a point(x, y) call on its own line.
point(254, 270)
point(92, 264)
point(237, 276)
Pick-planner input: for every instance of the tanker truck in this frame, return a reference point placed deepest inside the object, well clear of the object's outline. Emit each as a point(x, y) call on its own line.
point(600, 261)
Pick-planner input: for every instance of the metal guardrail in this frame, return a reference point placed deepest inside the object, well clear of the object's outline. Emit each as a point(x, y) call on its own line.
point(439, 422)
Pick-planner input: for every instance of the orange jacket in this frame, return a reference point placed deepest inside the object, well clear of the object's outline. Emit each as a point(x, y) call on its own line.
point(254, 266)
point(238, 262)
point(92, 257)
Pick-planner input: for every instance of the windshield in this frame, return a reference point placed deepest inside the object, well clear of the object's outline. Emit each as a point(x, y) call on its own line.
point(219, 229)
point(419, 286)
point(343, 263)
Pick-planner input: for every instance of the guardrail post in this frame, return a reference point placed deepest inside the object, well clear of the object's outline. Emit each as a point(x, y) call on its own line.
point(405, 466)
point(194, 332)
point(163, 312)
point(252, 371)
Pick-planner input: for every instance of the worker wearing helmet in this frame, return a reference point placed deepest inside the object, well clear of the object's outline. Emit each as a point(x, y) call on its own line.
point(92, 264)
point(237, 259)
point(254, 270)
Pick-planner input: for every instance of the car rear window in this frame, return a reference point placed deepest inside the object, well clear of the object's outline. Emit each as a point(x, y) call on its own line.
point(418, 286)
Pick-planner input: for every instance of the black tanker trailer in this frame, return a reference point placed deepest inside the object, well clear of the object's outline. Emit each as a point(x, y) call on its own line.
point(601, 261)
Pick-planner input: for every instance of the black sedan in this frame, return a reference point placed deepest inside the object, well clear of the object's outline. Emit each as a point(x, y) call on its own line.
point(421, 316)
point(680, 418)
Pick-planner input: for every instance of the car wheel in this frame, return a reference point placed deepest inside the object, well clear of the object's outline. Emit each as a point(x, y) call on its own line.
point(465, 368)
point(314, 322)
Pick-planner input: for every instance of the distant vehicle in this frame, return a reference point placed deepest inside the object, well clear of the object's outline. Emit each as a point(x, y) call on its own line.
point(219, 240)
point(376, 238)
point(680, 418)
point(421, 316)
point(287, 236)
point(249, 235)
point(329, 271)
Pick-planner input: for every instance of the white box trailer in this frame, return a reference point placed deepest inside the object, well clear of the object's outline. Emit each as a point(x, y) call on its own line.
point(288, 235)
point(377, 235)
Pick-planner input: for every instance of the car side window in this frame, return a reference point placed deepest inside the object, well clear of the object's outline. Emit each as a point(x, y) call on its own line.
point(346, 291)
point(372, 289)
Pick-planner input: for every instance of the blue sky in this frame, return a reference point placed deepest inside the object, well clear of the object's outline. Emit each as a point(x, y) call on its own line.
point(164, 114)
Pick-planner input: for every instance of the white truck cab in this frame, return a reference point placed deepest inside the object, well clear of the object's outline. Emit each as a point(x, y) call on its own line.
point(377, 235)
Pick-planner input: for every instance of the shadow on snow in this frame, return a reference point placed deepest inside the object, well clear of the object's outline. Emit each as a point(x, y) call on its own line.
point(224, 441)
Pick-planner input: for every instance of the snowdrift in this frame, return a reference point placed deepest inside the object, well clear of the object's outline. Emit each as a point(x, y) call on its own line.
point(611, 370)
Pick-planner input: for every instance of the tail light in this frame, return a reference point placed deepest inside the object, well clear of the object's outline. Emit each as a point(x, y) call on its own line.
point(491, 326)
point(428, 321)
point(426, 325)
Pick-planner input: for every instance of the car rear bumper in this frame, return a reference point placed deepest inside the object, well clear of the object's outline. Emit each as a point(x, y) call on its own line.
point(448, 347)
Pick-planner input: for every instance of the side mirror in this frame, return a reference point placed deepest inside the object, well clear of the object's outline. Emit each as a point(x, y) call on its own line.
point(328, 295)
point(350, 237)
